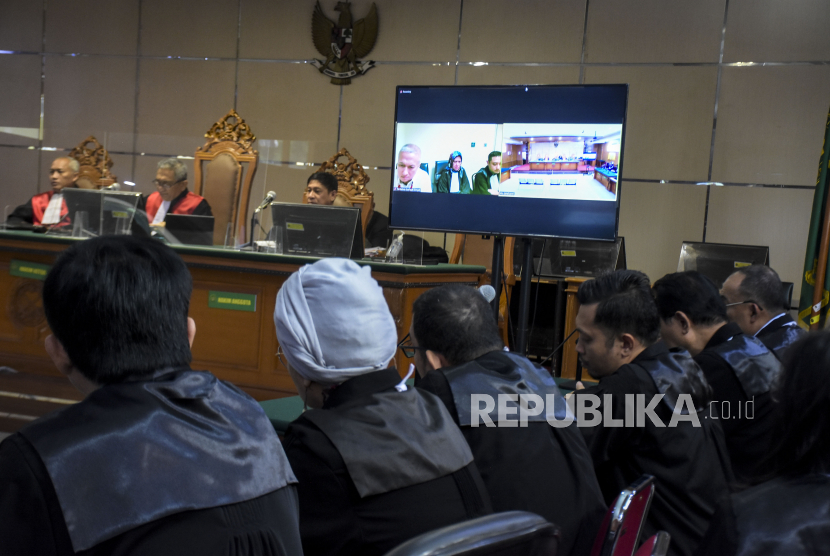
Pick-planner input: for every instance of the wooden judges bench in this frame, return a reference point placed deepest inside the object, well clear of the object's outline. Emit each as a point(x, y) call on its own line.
point(239, 346)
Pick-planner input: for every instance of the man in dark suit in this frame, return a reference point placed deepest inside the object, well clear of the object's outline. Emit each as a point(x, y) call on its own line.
point(755, 301)
point(539, 468)
point(740, 369)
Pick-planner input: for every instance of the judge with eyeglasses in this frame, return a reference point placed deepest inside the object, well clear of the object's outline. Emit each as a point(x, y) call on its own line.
point(171, 195)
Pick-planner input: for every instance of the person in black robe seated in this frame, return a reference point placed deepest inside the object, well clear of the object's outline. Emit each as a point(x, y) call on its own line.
point(789, 512)
point(49, 208)
point(740, 369)
point(377, 462)
point(538, 467)
point(157, 459)
point(172, 195)
point(674, 439)
point(755, 301)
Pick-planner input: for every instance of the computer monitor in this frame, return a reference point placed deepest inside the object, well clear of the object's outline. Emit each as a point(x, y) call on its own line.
point(718, 260)
point(106, 212)
point(319, 230)
point(190, 229)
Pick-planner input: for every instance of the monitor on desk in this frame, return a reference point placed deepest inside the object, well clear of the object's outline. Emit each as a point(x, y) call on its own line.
point(190, 229)
point(718, 260)
point(103, 212)
point(563, 257)
point(319, 230)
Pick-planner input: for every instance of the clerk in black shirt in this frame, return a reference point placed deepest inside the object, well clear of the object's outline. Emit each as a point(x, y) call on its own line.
point(739, 367)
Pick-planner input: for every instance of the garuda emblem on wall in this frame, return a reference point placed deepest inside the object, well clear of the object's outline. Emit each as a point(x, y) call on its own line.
point(343, 43)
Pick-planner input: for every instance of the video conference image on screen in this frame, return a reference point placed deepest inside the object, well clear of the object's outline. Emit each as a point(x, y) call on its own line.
point(531, 160)
point(520, 160)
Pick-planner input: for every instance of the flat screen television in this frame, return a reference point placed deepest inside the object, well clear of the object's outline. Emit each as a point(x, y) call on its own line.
point(561, 155)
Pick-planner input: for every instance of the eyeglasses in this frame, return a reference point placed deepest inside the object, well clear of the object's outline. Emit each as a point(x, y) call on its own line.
point(165, 184)
point(407, 348)
point(740, 303)
point(281, 357)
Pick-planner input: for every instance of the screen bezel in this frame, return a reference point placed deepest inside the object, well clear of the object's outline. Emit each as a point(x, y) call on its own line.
point(493, 230)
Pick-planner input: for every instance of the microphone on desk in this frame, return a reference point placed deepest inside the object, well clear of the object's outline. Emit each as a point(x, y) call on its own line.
point(114, 187)
point(266, 201)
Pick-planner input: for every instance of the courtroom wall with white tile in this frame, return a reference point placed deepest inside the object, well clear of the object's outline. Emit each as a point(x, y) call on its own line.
point(730, 92)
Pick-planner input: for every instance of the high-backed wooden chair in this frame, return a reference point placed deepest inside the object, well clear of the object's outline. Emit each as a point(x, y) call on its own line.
point(95, 164)
point(223, 171)
point(351, 185)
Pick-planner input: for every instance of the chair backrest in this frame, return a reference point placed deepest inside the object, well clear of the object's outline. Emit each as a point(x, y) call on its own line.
point(472, 249)
point(501, 534)
point(439, 165)
point(656, 545)
point(624, 520)
point(351, 185)
point(223, 171)
point(95, 164)
point(788, 292)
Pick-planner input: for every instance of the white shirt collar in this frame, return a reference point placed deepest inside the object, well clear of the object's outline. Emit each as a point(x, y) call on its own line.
point(773, 319)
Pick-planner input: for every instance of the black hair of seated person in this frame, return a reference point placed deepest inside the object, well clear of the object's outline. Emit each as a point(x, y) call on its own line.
point(118, 305)
point(457, 322)
point(802, 419)
point(329, 181)
point(762, 285)
point(692, 293)
point(625, 305)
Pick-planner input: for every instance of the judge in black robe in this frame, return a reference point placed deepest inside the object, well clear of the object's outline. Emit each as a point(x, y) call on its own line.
point(377, 462)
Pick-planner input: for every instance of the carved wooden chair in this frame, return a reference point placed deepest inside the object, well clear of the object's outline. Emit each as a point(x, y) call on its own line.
point(351, 185)
point(223, 172)
point(95, 164)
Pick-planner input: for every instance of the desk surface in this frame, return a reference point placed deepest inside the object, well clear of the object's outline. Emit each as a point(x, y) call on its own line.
point(59, 242)
point(237, 346)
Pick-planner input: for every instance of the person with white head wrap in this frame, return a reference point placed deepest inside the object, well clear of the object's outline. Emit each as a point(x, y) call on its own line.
point(369, 447)
point(330, 333)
